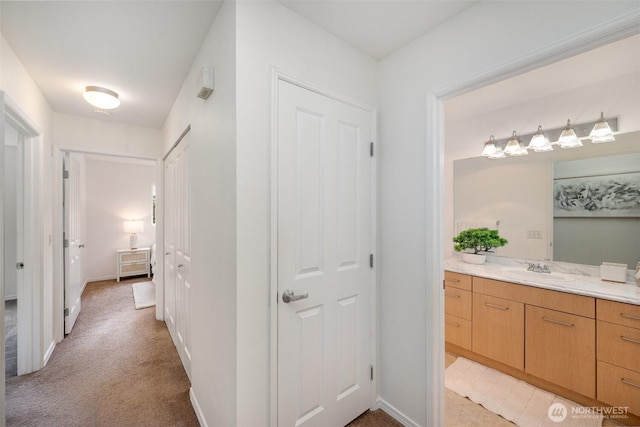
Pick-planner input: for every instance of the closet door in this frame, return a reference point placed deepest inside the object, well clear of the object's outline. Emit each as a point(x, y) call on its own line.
point(177, 257)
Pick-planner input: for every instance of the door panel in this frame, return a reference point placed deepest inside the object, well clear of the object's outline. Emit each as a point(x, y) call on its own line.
point(324, 242)
point(73, 243)
point(177, 257)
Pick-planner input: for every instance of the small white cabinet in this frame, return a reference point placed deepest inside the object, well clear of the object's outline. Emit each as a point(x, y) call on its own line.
point(133, 262)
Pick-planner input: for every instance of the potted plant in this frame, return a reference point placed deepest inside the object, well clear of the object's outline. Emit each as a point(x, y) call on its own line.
point(475, 240)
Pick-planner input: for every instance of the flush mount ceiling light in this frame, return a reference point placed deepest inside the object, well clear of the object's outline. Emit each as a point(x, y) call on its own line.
point(568, 137)
point(539, 142)
point(101, 97)
point(601, 131)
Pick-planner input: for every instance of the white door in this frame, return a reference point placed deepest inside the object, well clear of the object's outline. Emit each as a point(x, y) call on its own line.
point(324, 246)
point(177, 259)
point(72, 242)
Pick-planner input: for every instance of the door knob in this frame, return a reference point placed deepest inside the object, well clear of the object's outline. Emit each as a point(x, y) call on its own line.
point(80, 246)
point(288, 296)
point(180, 266)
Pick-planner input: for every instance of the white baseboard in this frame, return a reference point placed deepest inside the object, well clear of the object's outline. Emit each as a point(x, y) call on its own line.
point(196, 408)
point(10, 297)
point(48, 353)
point(98, 279)
point(396, 414)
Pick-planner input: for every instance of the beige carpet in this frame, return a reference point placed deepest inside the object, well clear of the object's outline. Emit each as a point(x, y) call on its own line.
point(118, 367)
point(144, 294)
point(513, 399)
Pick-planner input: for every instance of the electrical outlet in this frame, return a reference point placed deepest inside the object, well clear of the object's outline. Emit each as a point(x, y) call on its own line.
point(534, 234)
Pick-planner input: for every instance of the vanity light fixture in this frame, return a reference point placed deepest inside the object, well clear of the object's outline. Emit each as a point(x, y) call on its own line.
point(539, 142)
point(601, 131)
point(514, 147)
point(101, 97)
point(568, 137)
point(489, 147)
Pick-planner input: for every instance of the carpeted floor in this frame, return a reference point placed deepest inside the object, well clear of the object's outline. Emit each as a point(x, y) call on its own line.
point(118, 367)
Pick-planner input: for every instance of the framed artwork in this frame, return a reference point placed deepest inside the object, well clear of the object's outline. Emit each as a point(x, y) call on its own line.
point(597, 196)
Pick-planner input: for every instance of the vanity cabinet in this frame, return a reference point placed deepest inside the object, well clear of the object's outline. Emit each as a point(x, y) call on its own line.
point(618, 353)
point(560, 348)
point(458, 309)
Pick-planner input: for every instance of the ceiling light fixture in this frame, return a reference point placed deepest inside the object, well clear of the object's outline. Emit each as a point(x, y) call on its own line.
point(601, 131)
point(568, 137)
point(101, 97)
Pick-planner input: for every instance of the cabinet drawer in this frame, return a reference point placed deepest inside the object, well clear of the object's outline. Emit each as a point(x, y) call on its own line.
point(619, 345)
point(498, 329)
point(457, 331)
point(619, 387)
point(457, 302)
point(133, 268)
point(133, 256)
point(457, 280)
point(561, 348)
point(618, 312)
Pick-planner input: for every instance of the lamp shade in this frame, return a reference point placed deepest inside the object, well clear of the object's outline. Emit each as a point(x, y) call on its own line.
point(101, 97)
point(133, 226)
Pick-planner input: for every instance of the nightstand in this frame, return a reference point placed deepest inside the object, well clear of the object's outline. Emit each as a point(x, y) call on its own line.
point(132, 262)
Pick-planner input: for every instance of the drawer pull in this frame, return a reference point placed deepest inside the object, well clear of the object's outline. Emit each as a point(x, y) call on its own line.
point(628, 316)
point(559, 322)
point(627, 382)
point(496, 306)
point(451, 295)
point(448, 322)
point(622, 337)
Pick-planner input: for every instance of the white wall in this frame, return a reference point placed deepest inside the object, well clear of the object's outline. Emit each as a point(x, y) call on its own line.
point(213, 221)
point(116, 190)
point(10, 236)
point(481, 39)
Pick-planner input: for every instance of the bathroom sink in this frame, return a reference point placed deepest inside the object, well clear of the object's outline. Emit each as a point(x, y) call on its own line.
point(524, 274)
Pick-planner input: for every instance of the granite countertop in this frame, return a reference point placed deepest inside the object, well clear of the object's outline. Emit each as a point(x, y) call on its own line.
point(587, 281)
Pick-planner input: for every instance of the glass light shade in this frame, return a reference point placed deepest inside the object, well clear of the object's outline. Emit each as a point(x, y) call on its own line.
point(498, 154)
point(489, 147)
point(539, 142)
point(601, 131)
point(514, 147)
point(568, 137)
point(100, 97)
point(521, 152)
point(133, 226)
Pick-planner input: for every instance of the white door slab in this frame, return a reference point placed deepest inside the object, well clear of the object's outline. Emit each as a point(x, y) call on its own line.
point(73, 243)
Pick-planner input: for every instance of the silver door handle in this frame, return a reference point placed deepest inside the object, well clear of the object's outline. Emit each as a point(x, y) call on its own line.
point(288, 296)
point(180, 265)
point(80, 246)
point(167, 253)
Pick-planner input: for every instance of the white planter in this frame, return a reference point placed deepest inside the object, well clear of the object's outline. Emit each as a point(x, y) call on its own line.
point(473, 258)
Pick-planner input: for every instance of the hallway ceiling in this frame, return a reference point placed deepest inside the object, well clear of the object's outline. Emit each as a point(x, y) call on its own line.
point(143, 49)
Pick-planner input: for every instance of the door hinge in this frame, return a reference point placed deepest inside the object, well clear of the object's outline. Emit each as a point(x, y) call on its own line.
point(444, 284)
point(371, 260)
point(66, 312)
point(65, 174)
point(371, 149)
point(371, 372)
point(66, 243)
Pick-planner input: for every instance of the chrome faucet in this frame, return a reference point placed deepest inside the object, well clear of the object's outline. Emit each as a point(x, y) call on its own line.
point(537, 268)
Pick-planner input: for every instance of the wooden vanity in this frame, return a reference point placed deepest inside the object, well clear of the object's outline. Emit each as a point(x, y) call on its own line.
point(584, 348)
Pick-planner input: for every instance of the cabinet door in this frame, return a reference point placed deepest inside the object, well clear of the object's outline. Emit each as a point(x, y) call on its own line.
point(561, 349)
point(498, 329)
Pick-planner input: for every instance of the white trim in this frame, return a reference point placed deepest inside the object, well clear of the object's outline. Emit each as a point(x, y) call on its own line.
point(396, 414)
point(605, 32)
point(49, 352)
point(196, 408)
point(278, 75)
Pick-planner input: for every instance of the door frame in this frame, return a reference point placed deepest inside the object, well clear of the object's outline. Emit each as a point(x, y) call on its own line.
point(278, 75)
point(31, 355)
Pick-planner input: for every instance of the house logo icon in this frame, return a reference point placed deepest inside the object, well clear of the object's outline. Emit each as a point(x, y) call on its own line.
point(557, 412)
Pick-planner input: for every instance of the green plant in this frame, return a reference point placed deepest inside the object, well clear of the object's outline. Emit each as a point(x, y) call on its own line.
point(478, 239)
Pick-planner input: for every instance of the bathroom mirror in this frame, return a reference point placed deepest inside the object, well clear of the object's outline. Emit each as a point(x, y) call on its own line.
point(517, 193)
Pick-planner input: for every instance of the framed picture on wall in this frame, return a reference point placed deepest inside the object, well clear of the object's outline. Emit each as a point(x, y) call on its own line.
point(597, 196)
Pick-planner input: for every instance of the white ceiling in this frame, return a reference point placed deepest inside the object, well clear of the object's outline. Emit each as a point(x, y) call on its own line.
point(143, 49)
